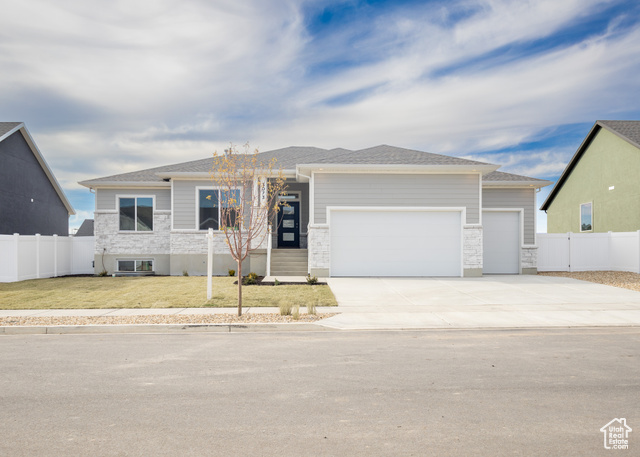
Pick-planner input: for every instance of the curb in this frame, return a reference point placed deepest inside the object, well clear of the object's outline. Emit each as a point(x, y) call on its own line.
point(161, 328)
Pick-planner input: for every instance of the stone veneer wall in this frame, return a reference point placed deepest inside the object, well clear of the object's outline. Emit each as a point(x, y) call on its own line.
point(195, 242)
point(108, 236)
point(472, 250)
point(319, 245)
point(529, 259)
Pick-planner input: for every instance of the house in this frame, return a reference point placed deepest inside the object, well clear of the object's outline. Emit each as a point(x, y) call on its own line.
point(31, 200)
point(599, 190)
point(381, 211)
point(85, 229)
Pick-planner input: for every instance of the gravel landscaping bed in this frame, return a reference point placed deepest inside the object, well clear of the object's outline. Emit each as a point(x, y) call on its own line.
point(623, 279)
point(261, 318)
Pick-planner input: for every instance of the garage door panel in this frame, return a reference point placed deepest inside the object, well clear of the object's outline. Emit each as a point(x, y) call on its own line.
point(395, 243)
point(501, 242)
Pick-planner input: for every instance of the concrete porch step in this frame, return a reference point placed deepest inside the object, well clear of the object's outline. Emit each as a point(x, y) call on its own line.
point(289, 262)
point(283, 273)
point(289, 253)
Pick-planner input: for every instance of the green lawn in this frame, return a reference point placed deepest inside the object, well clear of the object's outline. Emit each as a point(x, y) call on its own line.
point(152, 292)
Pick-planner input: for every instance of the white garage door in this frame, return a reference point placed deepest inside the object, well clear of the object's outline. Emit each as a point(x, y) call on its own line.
point(501, 245)
point(396, 243)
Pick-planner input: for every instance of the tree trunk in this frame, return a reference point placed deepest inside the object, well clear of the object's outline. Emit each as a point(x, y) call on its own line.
point(239, 287)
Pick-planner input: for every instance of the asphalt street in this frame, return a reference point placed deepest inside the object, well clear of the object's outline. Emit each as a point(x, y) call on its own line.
point(366, 393)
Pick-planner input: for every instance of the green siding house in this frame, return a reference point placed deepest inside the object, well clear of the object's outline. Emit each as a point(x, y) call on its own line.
point(599, 190)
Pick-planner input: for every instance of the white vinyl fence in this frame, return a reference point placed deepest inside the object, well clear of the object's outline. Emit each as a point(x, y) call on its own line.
point(618, 251)
point(36, 256)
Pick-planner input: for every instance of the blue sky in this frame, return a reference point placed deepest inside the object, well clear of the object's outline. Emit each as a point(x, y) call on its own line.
point(110, 87)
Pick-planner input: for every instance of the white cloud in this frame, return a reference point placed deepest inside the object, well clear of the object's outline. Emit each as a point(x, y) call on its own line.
point(146, 83)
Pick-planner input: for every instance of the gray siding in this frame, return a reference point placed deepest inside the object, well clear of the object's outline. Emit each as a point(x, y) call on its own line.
point(434, 190)
point(184, 203)
point(106, 198)
point(29, 203)
point(514, 198)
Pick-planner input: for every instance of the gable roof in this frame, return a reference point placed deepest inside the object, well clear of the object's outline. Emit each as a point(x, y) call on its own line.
point(627, 130)
point(9, 128)
point(291, 158)
point(86, 228)
point(502, 179)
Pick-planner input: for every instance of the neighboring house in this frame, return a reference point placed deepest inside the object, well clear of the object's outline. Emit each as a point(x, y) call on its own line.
point(599, 190)
point(86, 228)
point(31, 200)
point(382, 211)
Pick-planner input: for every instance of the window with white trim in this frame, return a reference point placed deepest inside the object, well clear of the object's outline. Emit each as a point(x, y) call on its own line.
point(214, 207)
point(135, 265)
point(586, 217)
point(136, 214)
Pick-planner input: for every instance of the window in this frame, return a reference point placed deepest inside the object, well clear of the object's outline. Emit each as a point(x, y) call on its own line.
point(136, 214)
point(135, 265)
point(586, 217)
point(212, 210)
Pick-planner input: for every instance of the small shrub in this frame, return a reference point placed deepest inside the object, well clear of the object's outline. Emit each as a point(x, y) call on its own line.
point(251, 278)
point(311, 308)
point(276, 282)
point(185, 273)
point(311, 280)
point(296, 312)
point(103, 273)
point(232, 272)
point(285, 309)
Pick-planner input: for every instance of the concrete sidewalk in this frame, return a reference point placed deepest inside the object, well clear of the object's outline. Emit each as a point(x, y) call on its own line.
point(517, 301)
point(146, 311)
point(422, 303)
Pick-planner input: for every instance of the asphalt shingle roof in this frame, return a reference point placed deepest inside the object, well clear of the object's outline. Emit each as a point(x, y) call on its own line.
point(501, 176)
point(8, 126)
point(288, 158)
point(627, 129)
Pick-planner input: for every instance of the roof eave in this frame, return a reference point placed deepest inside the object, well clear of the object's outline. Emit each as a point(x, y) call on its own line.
point(12, 131)
point(572, 163)
point(43, 164)
point(520, 184)
point(624, 137)
point(116, 184)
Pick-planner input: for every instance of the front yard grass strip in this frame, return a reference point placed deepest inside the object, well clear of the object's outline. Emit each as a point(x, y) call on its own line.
point(153, 292)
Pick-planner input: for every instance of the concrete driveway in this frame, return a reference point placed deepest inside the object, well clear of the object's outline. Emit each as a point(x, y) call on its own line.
point(489, 302)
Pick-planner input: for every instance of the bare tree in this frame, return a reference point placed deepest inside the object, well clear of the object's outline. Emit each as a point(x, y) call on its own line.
point(248, 192)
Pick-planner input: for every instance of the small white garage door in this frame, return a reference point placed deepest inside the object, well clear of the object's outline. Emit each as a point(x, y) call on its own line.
point(396, 243)
point(501, 242)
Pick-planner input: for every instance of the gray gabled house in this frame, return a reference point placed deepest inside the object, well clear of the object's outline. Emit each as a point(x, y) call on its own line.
point(381, 211)
point(31, 200)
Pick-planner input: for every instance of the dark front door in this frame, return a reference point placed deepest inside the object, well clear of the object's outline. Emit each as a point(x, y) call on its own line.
point(289, 225)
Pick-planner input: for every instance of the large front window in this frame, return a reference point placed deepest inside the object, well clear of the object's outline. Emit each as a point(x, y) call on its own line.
point(215, 208)
point(136, 214)
point(586, 217)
